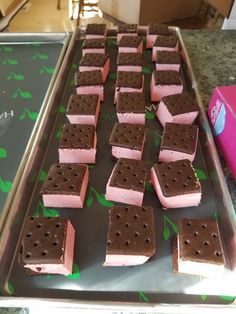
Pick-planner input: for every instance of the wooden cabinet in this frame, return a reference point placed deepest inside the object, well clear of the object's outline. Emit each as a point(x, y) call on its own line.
point(6, 6)
point(222, 6)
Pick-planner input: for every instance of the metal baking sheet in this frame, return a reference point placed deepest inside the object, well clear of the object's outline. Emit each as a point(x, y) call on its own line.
point(153, 283)
point(28, 65)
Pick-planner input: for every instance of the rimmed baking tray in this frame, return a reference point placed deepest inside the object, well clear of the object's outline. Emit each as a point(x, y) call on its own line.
point(29, 64)
point(92, 285)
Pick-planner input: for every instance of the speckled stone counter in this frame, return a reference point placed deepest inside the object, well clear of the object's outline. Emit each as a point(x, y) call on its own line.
point(212, 55)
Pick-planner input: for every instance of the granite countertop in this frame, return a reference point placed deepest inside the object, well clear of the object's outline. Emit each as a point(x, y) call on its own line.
point(212, 55)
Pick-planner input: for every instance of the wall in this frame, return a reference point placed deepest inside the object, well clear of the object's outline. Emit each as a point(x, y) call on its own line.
point(222, 6)
point(230, 23)
point(124, 10)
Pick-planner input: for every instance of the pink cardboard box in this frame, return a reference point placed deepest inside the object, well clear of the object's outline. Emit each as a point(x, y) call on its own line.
point(222, 117)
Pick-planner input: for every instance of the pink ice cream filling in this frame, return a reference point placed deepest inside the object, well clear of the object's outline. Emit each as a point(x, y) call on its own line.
point(104, 70)
point(92, 50)
point(204, 269)
point(95, 36)
point(131, 49)
point(167, 155)
point(120, 35)
point(186, 200)
point(85, 119)
point(167, 67)
point(127, 90)
point(65, 200)
point(125, 260)
point(129, 68)
point(122, 152)
point(132, 118)
point(123, 195)
point(96, 89)
point(150, 40)
point(159, 91)
point(67, 266)
point(164, 116)
point(156, 49)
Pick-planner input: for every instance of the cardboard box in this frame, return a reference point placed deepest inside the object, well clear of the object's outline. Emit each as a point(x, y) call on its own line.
point(222, 117)
point(164, 11)
point(143, 12)
point(222, 6)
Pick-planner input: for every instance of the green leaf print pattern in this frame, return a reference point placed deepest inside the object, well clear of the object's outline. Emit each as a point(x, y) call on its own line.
point(3, 153)
point(157, 139)
point(45, 212)
point(200, 174)
point(9, 61)
point(143, 297)
point(11, 288)
point(40, 56)
point(112, 42)
point(149, 187)
point(146, 70)
point(22, 94)
point(228, 298)
point(113, 76)
point(5, 186)
point(75, 272)
point(59, 131)
point(28, 114)
point(15, 76)
point(203, 297)
point(62, 109)
point(42, 176)
point(6, 48)
point(149, 115)
point(46, 69)
point(73, 66)
point(99, 197)
point(168, 223)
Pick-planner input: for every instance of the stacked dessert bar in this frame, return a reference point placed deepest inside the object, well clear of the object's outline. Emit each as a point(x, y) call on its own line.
point(47, 244)
point(173, 177)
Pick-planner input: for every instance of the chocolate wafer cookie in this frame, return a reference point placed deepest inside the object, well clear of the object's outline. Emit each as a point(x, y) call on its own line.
point(94, 43)
point(127, 28)
point(158, 29)
point(176, 184)
point(78, 143)
point(129, 79)
point(131, 236)
point(127, 140)
point(168, 57)
point(133, 58)
point(94, 59)
point(65, 186)
point(198, 248)
point(131, 42)
point(83, 109)
point(95, 29)
point(166, 41)
point(179, 141)
point(127, 182)
point(179, 108)
point(47, 245)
